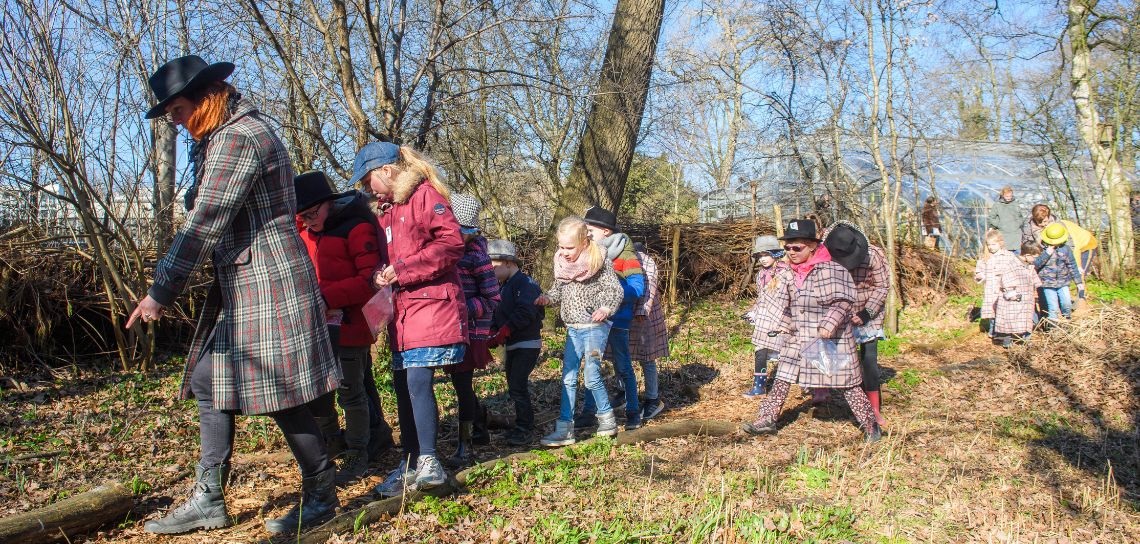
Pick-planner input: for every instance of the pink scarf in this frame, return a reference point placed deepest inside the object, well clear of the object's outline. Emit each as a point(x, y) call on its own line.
point(801, 271)
point(579, 270)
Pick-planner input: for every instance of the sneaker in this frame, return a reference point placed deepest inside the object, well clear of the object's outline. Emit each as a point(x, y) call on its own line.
point(619, 401)
point(632, 423)
point(353, 466)
point(563, 435)
point(873, 435)
point(652, 408)
point(429, 473)
point(607, 424)
point(519, 437)
point(393, 484)
point(583, 420)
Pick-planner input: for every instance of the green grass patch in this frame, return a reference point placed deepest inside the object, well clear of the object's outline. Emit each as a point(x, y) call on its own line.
point(891, 346)
point(1127, 293)
point(806, 523)
point(904, 382)
point(446, 511)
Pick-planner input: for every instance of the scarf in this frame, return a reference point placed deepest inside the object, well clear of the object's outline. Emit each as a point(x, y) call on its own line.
point(801, 271)
point(614, 244)
point(579, 270)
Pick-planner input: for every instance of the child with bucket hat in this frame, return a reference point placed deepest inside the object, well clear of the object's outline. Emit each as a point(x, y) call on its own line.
point(1057, 268)
point(481, 290)
point(769, 329)
point(518, 327)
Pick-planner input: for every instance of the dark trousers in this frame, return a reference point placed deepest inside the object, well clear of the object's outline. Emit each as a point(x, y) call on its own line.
point(216, 428)
point(869, 362)
point(520, 362)
point(467, 404)
point(416, 411)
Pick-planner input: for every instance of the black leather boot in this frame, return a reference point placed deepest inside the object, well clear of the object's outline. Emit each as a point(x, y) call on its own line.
point(205, 509)
point(318, 503)
point(479, 433)
point(464, 455)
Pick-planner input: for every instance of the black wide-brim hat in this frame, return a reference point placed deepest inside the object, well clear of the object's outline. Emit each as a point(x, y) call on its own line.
point(847, 245)
point(800, 229)
point(312, 188)
point(182, 75)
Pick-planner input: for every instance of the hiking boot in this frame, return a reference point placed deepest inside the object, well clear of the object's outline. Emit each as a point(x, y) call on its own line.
point(353, 466)
point(519, 436)
point(873, 435)
point(632, 423)
point(759, 427)
point(758, 388)
point(464, 456)
point(205, 509)
point(652, 408)
point(585, 419)
point(394, 483)
point(607, 424)
point(563, 435)
point(318, 503)
point(429, 473)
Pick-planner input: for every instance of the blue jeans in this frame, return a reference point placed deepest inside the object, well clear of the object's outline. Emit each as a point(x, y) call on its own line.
point(584, 344)
point(623, 367)
point(1058, 298)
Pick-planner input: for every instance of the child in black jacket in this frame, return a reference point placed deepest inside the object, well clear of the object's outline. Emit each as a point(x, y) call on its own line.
point(518, 326)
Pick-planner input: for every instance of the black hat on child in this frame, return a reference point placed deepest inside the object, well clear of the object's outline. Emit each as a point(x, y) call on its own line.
point(183, 75)
point(601, 217)
point(312, 188)
point(848, 246)
point(800, 229)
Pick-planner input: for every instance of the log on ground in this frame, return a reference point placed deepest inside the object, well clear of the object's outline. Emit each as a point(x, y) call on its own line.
point(72, 516)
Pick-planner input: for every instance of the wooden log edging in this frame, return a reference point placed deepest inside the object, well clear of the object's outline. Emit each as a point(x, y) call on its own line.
point(372, 512)
point(72, 516)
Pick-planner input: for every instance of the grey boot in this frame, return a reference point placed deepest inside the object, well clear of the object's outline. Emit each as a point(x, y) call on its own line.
point(318, 503)
point(464, 456)
point(205, 509)
point(607, 424)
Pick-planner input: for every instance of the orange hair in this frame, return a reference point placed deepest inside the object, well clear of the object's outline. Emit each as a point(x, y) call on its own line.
point(211, 109)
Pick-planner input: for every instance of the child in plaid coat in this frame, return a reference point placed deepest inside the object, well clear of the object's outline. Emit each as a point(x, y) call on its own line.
point(769, 331)
point(1008, 293)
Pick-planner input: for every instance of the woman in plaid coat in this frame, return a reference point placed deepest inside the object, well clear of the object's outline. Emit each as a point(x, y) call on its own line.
point(817, 296)
point(261, 346)
point(1009, 288)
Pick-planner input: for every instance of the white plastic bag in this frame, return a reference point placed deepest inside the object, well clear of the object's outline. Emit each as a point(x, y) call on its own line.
point(378, 310)
point(823, 354)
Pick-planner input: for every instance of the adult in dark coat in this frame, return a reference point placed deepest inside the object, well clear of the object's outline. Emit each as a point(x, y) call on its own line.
point(261, 346)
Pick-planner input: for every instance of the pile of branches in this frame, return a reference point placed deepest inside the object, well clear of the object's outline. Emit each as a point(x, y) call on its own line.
point(927, 276)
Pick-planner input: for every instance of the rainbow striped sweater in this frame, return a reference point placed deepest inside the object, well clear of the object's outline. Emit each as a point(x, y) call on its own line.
point(631, 276)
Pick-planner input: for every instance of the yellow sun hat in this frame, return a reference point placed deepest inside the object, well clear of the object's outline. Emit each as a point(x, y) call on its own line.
point(1055, 234)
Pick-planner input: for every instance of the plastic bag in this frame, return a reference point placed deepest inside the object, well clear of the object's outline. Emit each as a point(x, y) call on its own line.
point(866, 333)
point(823, 354)
point(378, 310)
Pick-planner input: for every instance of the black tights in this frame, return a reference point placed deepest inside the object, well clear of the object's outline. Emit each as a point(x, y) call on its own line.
point(468, 403)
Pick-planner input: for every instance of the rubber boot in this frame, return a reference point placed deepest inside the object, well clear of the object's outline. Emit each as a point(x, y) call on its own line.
point(464, 455)
point(479, 433)
point(318, 503)
point(758, 388)
point(874, 397)
point(205, 509)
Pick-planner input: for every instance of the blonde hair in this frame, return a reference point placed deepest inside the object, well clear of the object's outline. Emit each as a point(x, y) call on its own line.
point(574, 227)
point(413, 162)
point(994, 236)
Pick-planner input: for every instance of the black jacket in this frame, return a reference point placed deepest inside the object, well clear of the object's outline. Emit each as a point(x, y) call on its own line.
point(517, 309)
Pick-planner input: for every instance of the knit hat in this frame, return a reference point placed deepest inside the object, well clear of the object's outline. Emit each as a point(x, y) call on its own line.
point(373, 156)
point(502, 250)
point(766, 244)
point(848, 245)
point(601, 217)
point(312, 188)
point(466, 209)
point(800, 229)
point(1055, 234)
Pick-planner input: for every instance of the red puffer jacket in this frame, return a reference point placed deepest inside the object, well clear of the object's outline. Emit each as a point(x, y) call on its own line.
point(424, 246)
point(345, 253)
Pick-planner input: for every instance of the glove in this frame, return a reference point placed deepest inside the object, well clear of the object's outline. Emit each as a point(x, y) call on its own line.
point(500, 337)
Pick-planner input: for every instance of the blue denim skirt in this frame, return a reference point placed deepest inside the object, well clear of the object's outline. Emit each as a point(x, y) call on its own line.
point(429, 357)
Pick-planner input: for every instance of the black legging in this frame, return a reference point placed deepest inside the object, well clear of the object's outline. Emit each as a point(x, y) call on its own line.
point(468, 403)
point(869, 361)
point(762, 356)
point(216, 428)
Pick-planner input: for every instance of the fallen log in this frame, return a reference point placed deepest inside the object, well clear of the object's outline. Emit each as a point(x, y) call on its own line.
point(72, 516)
point(372, 512)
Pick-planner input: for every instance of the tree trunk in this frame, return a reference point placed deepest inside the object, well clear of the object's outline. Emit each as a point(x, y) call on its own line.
point(165, 155)
point(69, 517)
point(1106, 165)
point(605, 152)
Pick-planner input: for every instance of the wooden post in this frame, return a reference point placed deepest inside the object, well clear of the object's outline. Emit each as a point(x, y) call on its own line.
point(675, 265)
point(779, 217)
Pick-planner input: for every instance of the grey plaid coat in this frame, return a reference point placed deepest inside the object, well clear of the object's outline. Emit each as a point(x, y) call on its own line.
point(768, 314)
point(648, 335)
point(1008, 294)
point(823, 304)
point(263, 321)
point(872, 283)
